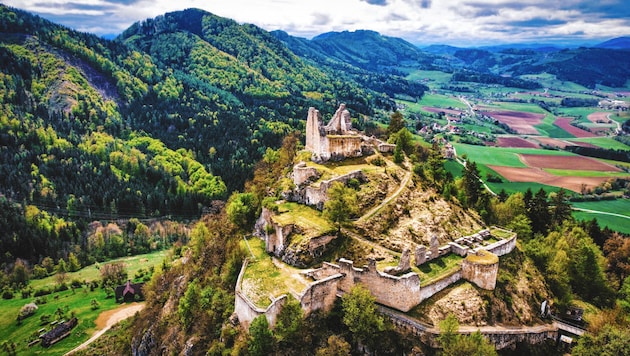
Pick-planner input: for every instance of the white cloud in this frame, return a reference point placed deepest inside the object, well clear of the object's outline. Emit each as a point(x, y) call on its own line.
point(457, 22)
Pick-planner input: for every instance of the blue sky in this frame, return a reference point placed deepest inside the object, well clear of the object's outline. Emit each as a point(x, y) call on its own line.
point(423, 22)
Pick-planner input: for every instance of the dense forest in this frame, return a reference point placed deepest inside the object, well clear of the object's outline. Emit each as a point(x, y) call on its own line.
point(161, 121)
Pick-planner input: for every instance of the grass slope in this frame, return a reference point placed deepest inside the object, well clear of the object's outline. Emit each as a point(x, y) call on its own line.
point(77, 302)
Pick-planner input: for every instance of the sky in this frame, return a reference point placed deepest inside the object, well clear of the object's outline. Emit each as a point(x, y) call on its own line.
point(467, 23)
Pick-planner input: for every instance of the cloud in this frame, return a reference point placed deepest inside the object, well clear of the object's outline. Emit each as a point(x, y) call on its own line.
point(468, 22)
point(377, 2)
point(536, 22)
point(321, 19)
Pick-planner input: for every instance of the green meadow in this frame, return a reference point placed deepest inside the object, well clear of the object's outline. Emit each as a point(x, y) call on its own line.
point(619, 206)
point(604, 142)
point(83, 302)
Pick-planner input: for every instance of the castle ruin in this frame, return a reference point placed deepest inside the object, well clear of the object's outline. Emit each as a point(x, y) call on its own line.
point(336, 140)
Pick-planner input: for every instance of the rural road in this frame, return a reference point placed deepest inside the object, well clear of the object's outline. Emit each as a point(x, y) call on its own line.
point(601, 212)
point(108, 319)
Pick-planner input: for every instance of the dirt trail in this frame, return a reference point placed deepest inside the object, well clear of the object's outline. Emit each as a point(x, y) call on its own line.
point(109, 318)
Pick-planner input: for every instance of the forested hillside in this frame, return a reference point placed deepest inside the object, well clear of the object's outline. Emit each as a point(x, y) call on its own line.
point(161, 121)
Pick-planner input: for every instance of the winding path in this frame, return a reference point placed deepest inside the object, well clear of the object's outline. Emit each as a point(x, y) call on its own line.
point(601, 212)
point(403, 185)
point(110, 318)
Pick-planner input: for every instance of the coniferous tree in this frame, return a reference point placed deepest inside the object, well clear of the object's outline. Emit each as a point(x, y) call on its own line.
point(261, 337)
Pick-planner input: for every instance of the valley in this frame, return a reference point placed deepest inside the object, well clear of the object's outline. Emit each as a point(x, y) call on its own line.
point(272, 194)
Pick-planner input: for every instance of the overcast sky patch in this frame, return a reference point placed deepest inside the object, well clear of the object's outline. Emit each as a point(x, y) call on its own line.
point(454, 22)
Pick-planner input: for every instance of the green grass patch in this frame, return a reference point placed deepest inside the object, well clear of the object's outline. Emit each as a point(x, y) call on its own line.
point(433, 270)
point(442, 101)
point(612, 222)
point(92, 273)
point(307, 218)
point(618, 206)
point(454, 168)
point(513, 106)
point(576, 173)
point(514, 187)
point(550, 81)
point(500, 234)
point(264, 280)
point(547, 128)
point(604, 142)
point(77, 302)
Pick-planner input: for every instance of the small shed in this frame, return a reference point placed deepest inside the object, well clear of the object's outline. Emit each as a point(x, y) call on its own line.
point(129, 292)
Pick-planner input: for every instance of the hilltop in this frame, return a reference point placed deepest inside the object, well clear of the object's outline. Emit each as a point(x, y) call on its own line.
point(193, 131)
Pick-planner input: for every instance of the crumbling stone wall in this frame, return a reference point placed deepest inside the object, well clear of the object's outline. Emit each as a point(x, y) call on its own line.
point(397, 292)
point(502, 247)
point(316, 196)
point(321, 294)
point(247, 311)
point(303, 173)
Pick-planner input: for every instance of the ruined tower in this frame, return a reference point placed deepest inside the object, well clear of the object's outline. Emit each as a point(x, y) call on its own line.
point(334, 141)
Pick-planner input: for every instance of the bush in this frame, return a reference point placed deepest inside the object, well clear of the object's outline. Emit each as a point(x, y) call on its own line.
point(42, 291)
point(378, 161)
point(75, 283)
point(61, 287)
point(7, 293)
point(27, 310)
point(41, 300)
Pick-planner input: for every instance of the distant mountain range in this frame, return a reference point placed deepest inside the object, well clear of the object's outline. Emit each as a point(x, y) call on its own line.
point(605, 64)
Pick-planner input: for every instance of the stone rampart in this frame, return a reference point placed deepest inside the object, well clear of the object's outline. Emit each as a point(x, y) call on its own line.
point(321, 294)
point(430, 290)
point(394, 291)
point(303, 173)
point(247, 311)
point(502, 247)
point(481, 269)
point(343, 146)
point(317, 195)
point(458, 249)
point(501, 338)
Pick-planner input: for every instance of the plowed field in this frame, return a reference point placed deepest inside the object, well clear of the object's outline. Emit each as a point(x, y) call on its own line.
point(521, 122)
point(540, 176)
point(565, 124)
point(567, 162)
point(515, 142)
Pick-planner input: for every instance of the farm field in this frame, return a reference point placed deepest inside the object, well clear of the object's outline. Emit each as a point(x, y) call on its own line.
point(604, 142)
point(619, 206)
point(546, 167)
point(77, 301)
point(533, 156)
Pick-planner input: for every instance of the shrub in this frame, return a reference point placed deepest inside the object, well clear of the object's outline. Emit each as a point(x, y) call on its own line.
point(27, 310)
point(75, 283)
point(7, 293)
point(42, 291)
point(61, 287)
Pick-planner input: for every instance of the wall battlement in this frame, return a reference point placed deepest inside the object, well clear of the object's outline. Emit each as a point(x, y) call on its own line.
point(398, 292)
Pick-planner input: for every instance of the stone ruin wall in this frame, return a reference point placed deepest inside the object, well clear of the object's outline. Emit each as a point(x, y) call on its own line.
point(396, 292)
point(340, 147)
point(481, 274)
point(321, 294)
point(275, 241)
point(303, 173)
point(430, 290)
point(317, 196)
point(502, 247)
point(247, 311)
